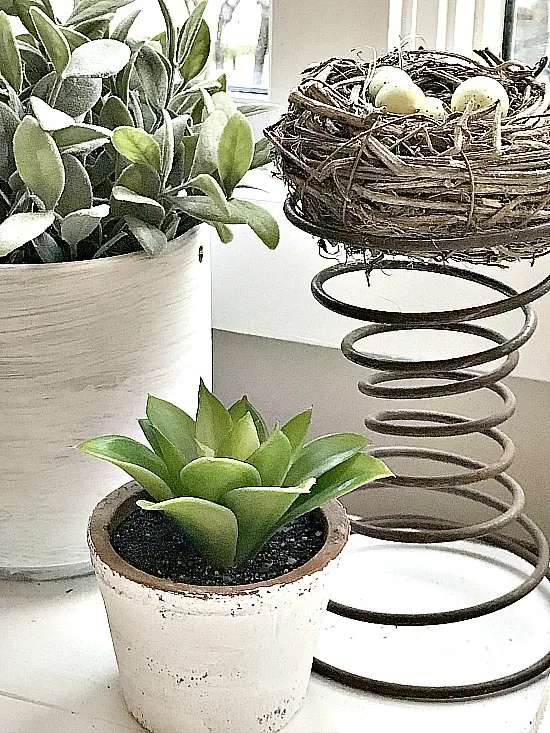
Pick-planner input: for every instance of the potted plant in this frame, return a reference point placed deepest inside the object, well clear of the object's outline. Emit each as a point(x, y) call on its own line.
point(213, 566)
point(112, 152)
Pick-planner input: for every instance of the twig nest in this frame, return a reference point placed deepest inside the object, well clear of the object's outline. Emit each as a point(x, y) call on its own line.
point(402, 99)
point(421, 170)
point(387, 75)
point(483, 91)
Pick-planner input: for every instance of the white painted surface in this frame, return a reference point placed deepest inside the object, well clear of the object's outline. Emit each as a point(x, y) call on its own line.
point(264, 293)
point(185, 659)
point(58, 670)
point(81, 345)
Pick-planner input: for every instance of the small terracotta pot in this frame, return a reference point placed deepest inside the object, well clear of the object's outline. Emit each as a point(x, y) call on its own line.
point(223, 659)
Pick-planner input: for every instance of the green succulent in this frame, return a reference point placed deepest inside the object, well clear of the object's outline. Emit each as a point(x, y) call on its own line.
point(110, 145)
point(228, 481)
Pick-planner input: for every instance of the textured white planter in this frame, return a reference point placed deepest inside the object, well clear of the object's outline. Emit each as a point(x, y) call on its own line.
point(81, 345)
point(198, 659)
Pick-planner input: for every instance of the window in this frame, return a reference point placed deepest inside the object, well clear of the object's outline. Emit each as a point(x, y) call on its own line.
point(527, 30)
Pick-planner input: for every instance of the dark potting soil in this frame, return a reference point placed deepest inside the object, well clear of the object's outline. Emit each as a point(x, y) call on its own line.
point(154, 543)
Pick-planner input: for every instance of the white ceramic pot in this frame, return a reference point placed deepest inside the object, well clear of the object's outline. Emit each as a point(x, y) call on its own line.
point(81, 345)
point(196, 659)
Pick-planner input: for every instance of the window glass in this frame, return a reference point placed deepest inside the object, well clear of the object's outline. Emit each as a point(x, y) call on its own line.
point(530, 31)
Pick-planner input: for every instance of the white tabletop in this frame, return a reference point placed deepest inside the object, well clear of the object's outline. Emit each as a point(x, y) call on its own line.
point(58, 672)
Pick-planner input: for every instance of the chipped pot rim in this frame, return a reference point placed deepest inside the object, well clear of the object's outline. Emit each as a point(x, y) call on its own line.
point(120, 503)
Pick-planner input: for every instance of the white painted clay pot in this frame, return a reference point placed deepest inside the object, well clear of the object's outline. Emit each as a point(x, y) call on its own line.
point(81, 345)
point(197, 659)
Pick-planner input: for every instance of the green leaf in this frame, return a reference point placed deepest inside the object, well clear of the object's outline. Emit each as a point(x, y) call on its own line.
point(258, 510)
point(8, 125)
point(213, 420)
point(79, 224)
point(263, 153)
point(85, 10)
point(153, 77)
point(272, 458)
point(77, 193)
point(223, 101)
point(81, 138)
point(98, 59)
point(189, 32)
point(151, 239)
point(47, 248)
point(121, 30)
point(170, 33)
point(322, 454)
point(212, 189)
point(136, 459)
point(262, 223)
point(49, 118)
point(74, 38)
point(167, 147)
point(151, 435)
point(349, 475)
point(175, 424)
point(95, 29)
point(115, 113)
point(206, 154)
point(251, 110)
point(224, 232)
point(38, 161)
point(296, 431)
point(76, 96)
point(10, 60)
point(54, 41)
point(125, 202)
point(241, 442)
point(137, 145)
point(204, 209)
point(211, 478)
point(141, 179)
point(239, 410)
point(199, 52)
point(211, 528)
point(235, 151)
point(18, 229)
point(189, 146)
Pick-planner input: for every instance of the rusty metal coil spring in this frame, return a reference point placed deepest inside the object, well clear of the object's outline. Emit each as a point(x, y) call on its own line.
point(454, 377)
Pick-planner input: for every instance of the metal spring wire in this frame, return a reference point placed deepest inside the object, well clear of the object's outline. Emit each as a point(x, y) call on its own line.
point(426, 423)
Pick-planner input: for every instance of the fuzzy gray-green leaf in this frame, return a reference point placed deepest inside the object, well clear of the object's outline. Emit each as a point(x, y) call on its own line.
point(150, 237)
point(198, 54)
point(49, 118)
point(189, 32)
point(115, 113)
point(18, 229)
point(153, 77)
point(38, 161)
point(79, 224)
point(235, 151)
point(262, 223)
point(206, 154)
point(85, 10)
point(10, 59)
point(54, 41)
point(81, 138)
point(137, 145)
point(121, 30)
point(77, 193)
point(209, 186)
point(76, 96)
point(101, 58)
point(8, 125)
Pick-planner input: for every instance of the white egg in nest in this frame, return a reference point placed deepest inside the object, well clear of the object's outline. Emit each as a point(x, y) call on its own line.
point(403, 99)
point(484, 91)
point(387, 75)
point(433, 107)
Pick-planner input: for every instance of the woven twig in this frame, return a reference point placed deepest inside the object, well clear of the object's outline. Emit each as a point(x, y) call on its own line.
point(349, 165)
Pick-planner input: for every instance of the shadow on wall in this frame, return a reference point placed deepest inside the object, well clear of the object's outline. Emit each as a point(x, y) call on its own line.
point(281, 378)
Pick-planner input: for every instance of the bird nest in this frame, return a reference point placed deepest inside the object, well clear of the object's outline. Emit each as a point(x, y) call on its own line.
point(474, 186)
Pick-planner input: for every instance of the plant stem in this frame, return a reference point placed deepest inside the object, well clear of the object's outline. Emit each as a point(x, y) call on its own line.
point(55, 91)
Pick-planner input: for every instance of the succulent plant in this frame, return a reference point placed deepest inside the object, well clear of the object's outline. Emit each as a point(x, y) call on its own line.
point(228, 481)
point(109, 144)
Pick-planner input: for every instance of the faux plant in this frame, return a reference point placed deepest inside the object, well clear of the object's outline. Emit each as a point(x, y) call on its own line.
point(228, 481)
point(108, 144)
